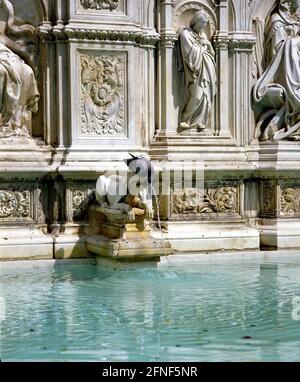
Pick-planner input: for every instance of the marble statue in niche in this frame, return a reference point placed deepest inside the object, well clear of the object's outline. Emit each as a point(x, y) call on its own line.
point(197, 61)
point(18, 87)
point(276, 94)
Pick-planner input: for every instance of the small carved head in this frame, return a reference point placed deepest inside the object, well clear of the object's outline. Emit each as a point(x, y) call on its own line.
point(142, 167)
point(199, 21)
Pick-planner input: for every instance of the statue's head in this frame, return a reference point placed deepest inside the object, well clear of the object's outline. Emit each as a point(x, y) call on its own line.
point(289, 5)
point(199, 21)
point(143, 168)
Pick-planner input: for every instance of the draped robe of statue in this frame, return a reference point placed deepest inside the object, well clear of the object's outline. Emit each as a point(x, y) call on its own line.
point(277, 92)
point(18, 93)
point(200, 78)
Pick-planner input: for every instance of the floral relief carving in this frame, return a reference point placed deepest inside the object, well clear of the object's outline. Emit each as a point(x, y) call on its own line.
point(14, 204)
point(269, 194)
point(100, 4)
point(78, 204)
point(79, 199)
point(290, 200)
point(102, 95)
point(223, 199)
point(23, 210)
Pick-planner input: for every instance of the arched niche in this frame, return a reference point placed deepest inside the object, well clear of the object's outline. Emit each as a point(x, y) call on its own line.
point(184, 11)
point(150, 14)
point(231, 16)
point(30, 11)
point(257, 23)
point(261, 9)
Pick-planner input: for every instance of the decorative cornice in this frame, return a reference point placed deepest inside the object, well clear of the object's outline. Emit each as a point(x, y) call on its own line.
point(245, 45)
point(68, 34)
point(224, 43)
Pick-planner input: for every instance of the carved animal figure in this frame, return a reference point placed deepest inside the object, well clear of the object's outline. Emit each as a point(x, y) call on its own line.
point(131, 190)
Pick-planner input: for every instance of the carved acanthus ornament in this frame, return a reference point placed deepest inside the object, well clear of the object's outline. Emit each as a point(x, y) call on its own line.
point(102, 95)
point(168, 40)
point(218, 200)
point(100, 4)
point(78, 198)
point(14, 204)
point(221, 43)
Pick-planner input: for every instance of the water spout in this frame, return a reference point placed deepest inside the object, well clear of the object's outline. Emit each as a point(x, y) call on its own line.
point(159, 222)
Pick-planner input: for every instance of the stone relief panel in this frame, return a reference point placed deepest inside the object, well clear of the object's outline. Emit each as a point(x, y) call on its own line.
point(103, 95)
point(100, 4)
point(78, 198)
point(107, 8)
point(216, 198)
point(290, 198)
point(276, 96)
point(268, 191)
point(280, 198)
point(18, 85)
point(16, 204)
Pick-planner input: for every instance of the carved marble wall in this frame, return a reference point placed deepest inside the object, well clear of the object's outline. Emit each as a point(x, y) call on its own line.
point(106, 77)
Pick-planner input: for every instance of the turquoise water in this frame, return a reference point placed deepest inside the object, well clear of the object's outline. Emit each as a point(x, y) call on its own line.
point(205, 312)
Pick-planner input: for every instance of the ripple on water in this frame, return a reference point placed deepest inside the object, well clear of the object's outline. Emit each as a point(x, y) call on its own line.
point(198, 313)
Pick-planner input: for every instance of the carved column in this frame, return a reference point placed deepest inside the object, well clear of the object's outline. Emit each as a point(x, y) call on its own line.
point(62, 75)
point(221, 46)
point(242, 49)
point(47, 53)
point(167, 122)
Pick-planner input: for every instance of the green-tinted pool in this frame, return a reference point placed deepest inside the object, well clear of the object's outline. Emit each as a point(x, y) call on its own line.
point(235, 311)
